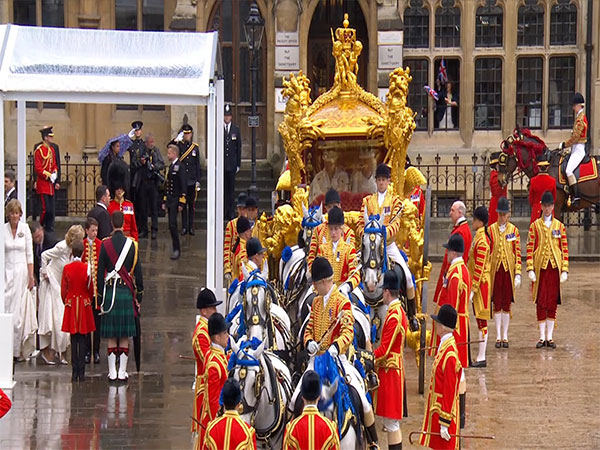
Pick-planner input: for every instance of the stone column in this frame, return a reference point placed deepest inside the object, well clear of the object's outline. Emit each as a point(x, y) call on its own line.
point(509, 86)
point(467, 72)
point(390, 40)
point(89, 18)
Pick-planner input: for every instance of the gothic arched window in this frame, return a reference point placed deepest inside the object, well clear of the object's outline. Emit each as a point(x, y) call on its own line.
point(447, 25)
point(488, 25)
point(563, 23)
point(530, 30)
point(416, 25)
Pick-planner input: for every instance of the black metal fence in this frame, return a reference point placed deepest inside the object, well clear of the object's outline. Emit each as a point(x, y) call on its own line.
point(467, 178)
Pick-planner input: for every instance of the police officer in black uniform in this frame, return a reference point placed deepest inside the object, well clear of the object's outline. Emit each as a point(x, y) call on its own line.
point(233, 160)
point(150, 177)
point(175, 194)
point(189, 156)
point(136, 150)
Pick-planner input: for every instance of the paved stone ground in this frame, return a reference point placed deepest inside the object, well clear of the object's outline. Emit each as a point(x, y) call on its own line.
point(527, 398)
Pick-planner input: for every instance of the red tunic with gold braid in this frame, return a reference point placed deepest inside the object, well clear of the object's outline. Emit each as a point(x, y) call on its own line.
point(129, 225)
point(442, 398)
point(547, 256)
point(539, 184)
point(229, 432)
point(479, 270)
point(44, 164)
point(323, 316)
point(200, 345)
point(505, 264)
point(322, 233)
point(579, 131)
point(240, 257)
point(389, 397)
point(91, 253)
point(462, 228)
point(311, 431)
point(230, 238)
point(418, 199)
point(389, 211)
point(497, 191)
point(457, 290)
point(342, 260)
point(76, 294)
point(215, 376)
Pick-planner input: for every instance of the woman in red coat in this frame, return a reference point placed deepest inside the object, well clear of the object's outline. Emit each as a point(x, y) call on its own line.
point(77, 293)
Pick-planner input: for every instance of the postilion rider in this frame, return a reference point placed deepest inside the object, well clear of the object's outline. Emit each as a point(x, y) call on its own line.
point(577, 143)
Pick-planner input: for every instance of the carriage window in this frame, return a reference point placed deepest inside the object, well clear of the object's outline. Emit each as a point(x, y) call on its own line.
point(488, 93)
point(488, 25)
point(447, 25)
point(561, 89)
point(530, 30)
point(416, 25)
point(530, 77)
point(563, 23)
point(417, 96)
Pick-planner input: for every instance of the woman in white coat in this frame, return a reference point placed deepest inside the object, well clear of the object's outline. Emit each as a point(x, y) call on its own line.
point(51, 307)
point(19, 292)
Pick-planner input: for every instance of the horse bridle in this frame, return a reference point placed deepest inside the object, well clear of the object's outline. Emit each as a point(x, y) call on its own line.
point(372, 261)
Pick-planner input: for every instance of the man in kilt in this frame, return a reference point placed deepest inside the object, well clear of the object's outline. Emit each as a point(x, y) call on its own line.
point(120, 288)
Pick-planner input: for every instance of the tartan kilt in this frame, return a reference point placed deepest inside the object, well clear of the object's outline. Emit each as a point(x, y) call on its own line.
point(120, 321)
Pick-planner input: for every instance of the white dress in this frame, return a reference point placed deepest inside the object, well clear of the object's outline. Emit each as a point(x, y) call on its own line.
point(362, 184)
point(52, 308)
point(18, 252)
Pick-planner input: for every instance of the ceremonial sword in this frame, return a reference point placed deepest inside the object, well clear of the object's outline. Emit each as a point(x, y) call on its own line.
point(464, 436)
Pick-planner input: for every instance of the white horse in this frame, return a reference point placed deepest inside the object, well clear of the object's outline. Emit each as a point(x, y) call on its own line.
point(266, 385)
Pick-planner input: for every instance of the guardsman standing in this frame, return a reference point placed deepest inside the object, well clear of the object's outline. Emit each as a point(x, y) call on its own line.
point(189, 157)
point(340, 254)
point(230, 432)
point(505, 273)
point(136, 150)
point(332, 200)
point(233, 158)
point(388, 206)
point(461, 227)
point(479, 269)
point(215, 371)
point(539, 184)
point(240, 257)
point(206, 303)
point(496, 188)
point(577, 143)
point(174, 199)
point(118, 174)
point(231, 237)
point(547, 266)
point(46, 162)
point(441, 421)
point(311, 430)
point(91, 253)
point(389, 399)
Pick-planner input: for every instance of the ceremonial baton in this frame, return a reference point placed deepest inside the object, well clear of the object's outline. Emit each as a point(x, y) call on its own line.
point(199, 424)
point(463, 436)
point(462, 343)
point(187, 357)
point(424, 261)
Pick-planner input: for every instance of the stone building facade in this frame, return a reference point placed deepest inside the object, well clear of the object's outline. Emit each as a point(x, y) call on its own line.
point(511, 62)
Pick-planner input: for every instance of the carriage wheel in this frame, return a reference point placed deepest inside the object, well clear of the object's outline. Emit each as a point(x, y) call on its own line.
point(422, 358)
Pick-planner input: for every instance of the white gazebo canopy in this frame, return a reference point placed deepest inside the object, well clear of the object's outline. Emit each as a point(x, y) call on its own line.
point(119, 67)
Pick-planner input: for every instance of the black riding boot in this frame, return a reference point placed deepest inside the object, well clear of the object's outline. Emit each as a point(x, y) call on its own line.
point(462, 399)
point(395, 446)
point(371, 435)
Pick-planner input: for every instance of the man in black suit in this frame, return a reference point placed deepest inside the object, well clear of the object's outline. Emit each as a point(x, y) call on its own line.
point(175, 195)
point(42, 241)
point(123, 295)
point(100, 212)
point(189, 157)
point(233, 159)
point(10, 190)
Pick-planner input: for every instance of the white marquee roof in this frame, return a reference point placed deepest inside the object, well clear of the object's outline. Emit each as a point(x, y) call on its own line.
point(106, 66)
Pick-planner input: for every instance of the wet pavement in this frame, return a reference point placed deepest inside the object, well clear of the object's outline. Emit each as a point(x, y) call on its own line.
point(526, 398)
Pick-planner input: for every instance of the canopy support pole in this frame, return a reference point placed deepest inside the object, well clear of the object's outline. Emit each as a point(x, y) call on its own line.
point(22, 156)
point(211, 181)
point(219, 158)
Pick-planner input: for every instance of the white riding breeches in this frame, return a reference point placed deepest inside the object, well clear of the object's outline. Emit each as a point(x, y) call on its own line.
point(577, 154)
point(395, 255)
point(391, 425)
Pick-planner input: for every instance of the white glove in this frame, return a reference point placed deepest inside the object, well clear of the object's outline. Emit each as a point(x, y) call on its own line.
point(179, 137)
point(312, 347)
point(197, 185)
point(131, 134)
point(444, 433)
point(237, 169)
point(333, 351)
point(532, 276)
point(346, 288)
point(518, 281)
point(563, 277)
point(53, 177)
point(471, 296)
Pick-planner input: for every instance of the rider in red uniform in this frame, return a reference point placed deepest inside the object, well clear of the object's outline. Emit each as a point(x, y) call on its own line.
point(496, 189)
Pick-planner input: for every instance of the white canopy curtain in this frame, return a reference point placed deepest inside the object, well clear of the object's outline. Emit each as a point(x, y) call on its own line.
point(116, 67)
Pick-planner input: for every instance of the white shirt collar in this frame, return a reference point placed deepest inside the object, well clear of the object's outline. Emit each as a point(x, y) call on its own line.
point(502, 227)
point(381, 197)
point(444, 338)
point(215, 345)
point(326, 296)
point(460, 221)
point(458, 258)
point(252, 264)
point(102, 204)
point(548, 220)
point(393, 302)
point(334, 245)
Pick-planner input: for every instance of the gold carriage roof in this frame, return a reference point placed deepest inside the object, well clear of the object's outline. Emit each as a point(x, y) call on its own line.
point(347, 111)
